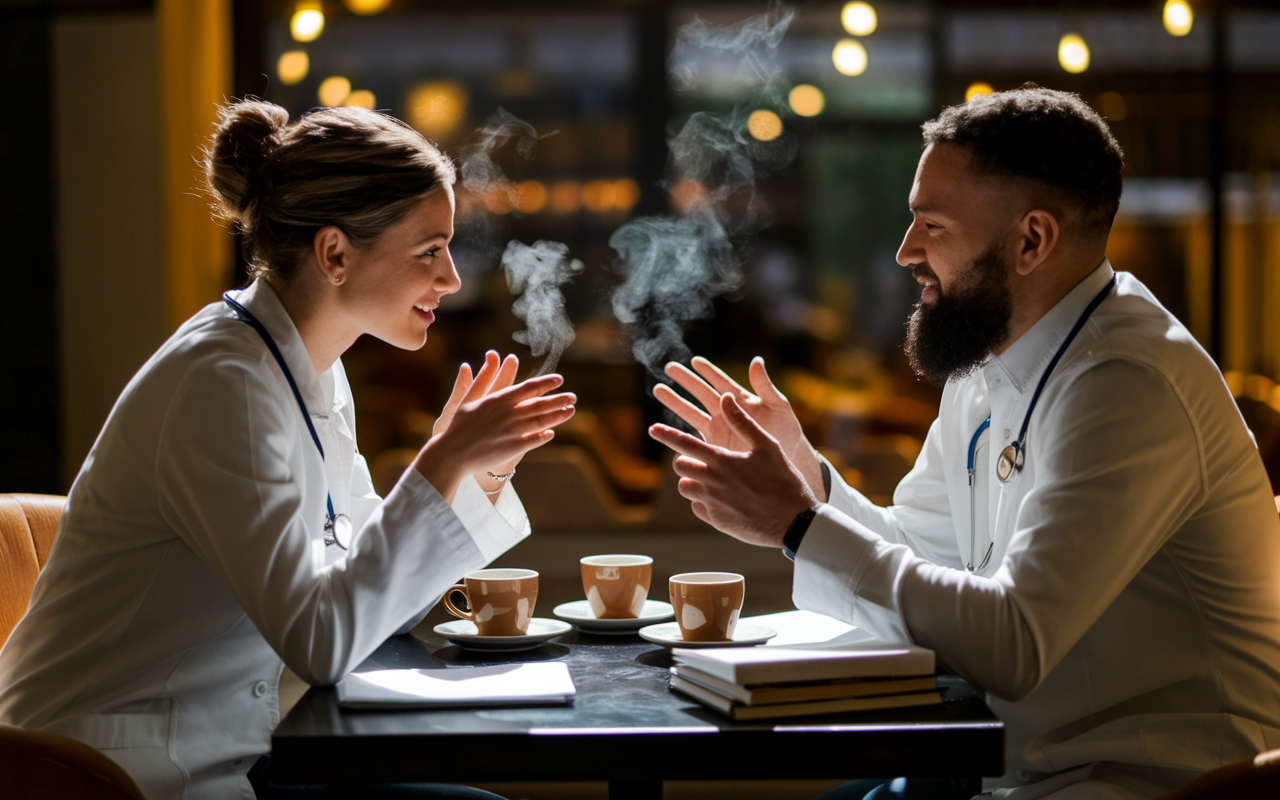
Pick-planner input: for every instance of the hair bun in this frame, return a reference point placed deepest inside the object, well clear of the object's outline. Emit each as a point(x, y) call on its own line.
point(248, 131)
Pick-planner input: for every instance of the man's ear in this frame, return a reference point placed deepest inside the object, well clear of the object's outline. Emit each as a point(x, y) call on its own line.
point(1038, 234)
point(333, 253)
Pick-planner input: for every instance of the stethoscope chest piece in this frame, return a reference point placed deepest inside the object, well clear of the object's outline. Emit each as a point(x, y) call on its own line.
point(1010, 461)
point(337, 530)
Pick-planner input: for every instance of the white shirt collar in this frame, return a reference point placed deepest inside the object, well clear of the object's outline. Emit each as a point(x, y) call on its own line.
point(1026, 359)
point(263, 303)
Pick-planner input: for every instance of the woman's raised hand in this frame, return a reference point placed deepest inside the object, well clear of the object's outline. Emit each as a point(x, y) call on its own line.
point(766, 405)
point(490, 422)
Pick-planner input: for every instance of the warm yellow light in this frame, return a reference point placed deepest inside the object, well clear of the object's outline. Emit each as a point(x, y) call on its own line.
point(307, 22)
point(858, 18)
point(598, 195)
point(1178, 17)
point(566, 197)
point(1113, 106)
point(1073, 53)
point(806, 100)
point(499, 199)
point(764, 125)
point(977, 89)
point(293, 66)
point(437, 107)
point(531, 197)
point(687, 193)
point(626, 193)
point(850, 57)
point(361, 98)
point(366, 7)
point(334, 90)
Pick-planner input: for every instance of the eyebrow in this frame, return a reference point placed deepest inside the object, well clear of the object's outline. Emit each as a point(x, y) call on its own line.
point(432, 237)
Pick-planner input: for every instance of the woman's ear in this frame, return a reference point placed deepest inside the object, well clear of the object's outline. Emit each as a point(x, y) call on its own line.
point(333, 253)
point(1038, 234)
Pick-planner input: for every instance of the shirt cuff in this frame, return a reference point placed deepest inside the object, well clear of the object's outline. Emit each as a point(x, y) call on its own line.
point(495, 527)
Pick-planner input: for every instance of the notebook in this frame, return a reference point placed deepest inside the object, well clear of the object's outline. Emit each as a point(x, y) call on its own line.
point(740, 712)
point(765, 694)
point(746, 666)
point(540, 683)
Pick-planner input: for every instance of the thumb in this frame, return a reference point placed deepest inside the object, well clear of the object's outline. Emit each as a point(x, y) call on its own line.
point(742, 423)
point(762, 383)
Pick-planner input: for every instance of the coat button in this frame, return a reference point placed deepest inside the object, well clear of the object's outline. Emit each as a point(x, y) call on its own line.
point(1022, 775)
point(260, 688)
point(237, 762)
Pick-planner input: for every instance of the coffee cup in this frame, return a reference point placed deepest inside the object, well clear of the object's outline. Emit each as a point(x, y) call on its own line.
point(500, 600)
point(707, 604)
point(616, 585)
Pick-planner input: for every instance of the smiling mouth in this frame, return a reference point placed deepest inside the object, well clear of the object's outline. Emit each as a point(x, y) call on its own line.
point(423, 310)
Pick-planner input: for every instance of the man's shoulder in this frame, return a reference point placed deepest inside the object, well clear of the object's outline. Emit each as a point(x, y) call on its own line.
point(1134, 326)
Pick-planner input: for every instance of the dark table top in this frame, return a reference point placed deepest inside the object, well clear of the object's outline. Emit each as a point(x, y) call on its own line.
point(625, 725)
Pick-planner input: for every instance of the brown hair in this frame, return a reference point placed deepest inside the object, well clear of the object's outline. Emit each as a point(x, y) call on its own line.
point(280, 183)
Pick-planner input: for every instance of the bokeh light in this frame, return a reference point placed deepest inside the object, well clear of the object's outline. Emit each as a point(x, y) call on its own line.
point(334, 90)
point(1073, 53)
point(850, 57)
point(1178, 17)
point(361, 98)
point(687, 193)
point(293, 67)
point(307, 22)
point(858, 18)
point(626, 193)
point(764, 125)
point(806, 100)
point(531, 197)
point(436, 108)
point(500, 198)
point(366, 7)
point(977, 89)
point(566, 197)
point(598, 195)
point(1113, 106)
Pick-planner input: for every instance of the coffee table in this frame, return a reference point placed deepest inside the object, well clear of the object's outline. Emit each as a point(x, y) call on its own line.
point(625, 727)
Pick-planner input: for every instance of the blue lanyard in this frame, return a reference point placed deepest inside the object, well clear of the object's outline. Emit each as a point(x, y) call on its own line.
point(331, 524)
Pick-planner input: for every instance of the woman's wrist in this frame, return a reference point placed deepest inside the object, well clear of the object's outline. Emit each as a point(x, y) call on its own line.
point(440, 469)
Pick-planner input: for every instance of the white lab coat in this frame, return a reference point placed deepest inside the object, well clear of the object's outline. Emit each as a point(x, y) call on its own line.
point(1130, 613)
point(191, 560)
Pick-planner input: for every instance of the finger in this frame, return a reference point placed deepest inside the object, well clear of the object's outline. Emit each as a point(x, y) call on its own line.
point(682, 408)
point(533, 387)
point(537, 438)
point(506, 374)
point(683, 443)
point(541, 405)
point(687, 467)
point(460, 386)
point(715, 376)
point(700, 511)
point(551, 418)
point(690, 489)
point(484, 378)
point(762, 383)
point(742, 423)
point(692, 384)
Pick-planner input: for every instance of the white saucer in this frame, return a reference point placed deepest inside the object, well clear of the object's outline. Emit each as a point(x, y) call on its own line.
point(668, 635)
point(465, 634)
point(580, 614)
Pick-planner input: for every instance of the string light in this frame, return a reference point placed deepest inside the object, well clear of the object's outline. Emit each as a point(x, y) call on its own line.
point(566, 197)
point(626, 193)
point(361, 98)
point(764, 125)
point(334, 90)
point(307, 21)
point(1073, 53)
point(1178, 17)
point(806, 100)
point(859, 18)
point(850, 57)
point(531, 197)
point(977, 89)
point(293, 67)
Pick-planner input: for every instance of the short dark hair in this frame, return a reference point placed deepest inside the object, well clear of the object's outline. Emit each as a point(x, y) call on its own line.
point(1050, 137)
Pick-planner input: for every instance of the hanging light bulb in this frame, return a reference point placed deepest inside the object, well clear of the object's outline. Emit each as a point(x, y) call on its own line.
point(1178, 17)
point(850, 57)
point(859, 18)
point(307, 21)
point(1073, 53)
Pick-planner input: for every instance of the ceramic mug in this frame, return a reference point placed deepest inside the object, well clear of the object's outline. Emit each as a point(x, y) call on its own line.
point(616, 585)
point(707, 604)
point(501, 600)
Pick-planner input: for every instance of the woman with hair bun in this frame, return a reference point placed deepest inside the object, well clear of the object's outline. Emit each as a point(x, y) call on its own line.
point(224, 523)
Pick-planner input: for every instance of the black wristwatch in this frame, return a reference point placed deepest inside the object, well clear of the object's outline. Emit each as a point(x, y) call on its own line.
point(800, 525)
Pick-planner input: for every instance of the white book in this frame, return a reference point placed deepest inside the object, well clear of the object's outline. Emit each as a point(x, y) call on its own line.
point(540, 683)
point(746, 666)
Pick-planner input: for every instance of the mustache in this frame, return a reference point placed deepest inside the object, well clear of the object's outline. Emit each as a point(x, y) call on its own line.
point(922, 270)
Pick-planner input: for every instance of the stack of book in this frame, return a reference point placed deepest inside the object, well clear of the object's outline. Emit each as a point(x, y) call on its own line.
point(769, 682)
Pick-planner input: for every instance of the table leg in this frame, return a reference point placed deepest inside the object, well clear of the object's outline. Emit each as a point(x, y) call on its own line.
point(635, 790)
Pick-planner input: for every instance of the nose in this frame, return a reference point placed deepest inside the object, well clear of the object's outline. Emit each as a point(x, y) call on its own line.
point(448, 281)
point(911, 251)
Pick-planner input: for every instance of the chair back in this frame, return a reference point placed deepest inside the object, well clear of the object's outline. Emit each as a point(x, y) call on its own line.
point(28, 526)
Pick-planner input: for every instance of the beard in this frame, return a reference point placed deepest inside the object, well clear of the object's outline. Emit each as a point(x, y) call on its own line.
point(952, 337)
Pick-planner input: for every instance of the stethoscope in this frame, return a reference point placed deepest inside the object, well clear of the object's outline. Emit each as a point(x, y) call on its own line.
point(1012, 457)
point(337, 527)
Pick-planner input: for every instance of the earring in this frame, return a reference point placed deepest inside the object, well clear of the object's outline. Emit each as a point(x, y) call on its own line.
point(337, 279)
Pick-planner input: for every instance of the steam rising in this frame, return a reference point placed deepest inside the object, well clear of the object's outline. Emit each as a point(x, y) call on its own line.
point(676, 266)
point(536, 274)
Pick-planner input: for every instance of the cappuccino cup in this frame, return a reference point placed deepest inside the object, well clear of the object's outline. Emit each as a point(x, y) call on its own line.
point(500, 600)
point(707, 604)
point(616, 585)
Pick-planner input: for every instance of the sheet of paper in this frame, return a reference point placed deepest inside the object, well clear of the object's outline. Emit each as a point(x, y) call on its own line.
point(505, 684)
point(807, 627)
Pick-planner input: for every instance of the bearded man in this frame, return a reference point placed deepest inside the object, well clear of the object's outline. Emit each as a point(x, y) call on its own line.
point(1088, 534)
